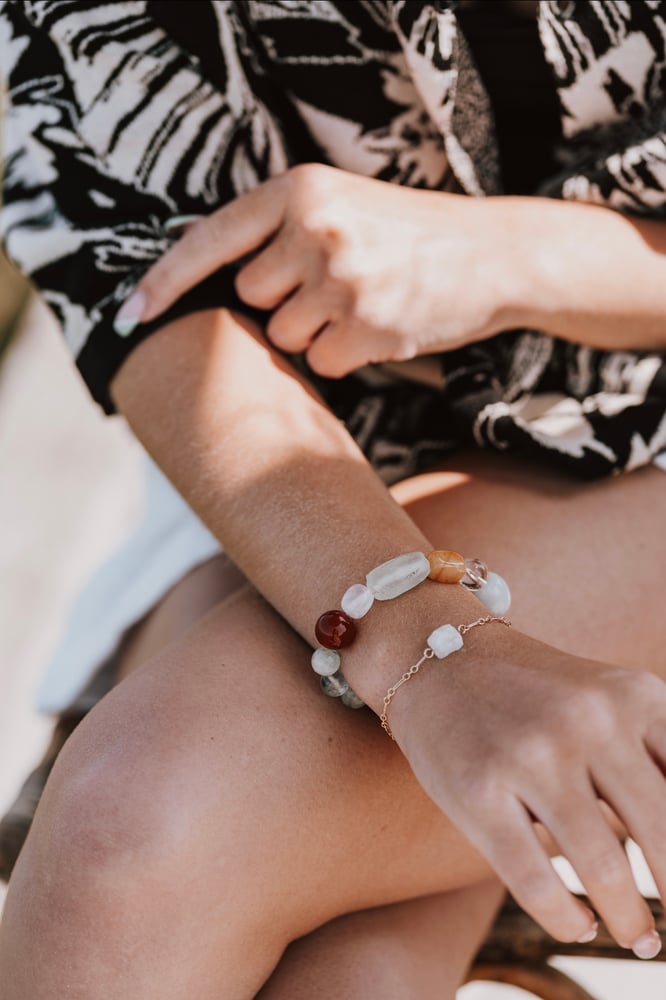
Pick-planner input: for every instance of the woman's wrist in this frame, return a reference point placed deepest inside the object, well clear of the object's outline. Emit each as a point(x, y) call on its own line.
point(534, 241)
point(394, 635)
point(520, 271)
point(457, 683)
point(582, 272)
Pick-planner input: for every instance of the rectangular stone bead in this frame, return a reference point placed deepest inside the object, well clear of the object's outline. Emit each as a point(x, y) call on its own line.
point(445, 640)
point(398, 575)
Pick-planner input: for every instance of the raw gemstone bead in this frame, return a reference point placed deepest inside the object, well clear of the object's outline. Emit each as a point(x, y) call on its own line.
point(334, 686)
point(325, 662)
point(357, 601)
point(398, 575)
point(476, 573)
point(352, 700)
point(445, 640)
point(495, 594)
point(446, 566)
point(335, 630)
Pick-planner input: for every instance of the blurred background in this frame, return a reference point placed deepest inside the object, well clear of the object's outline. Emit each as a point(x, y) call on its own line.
point(70, 490)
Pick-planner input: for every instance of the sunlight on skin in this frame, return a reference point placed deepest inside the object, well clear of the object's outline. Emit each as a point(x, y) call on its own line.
point(428, 484)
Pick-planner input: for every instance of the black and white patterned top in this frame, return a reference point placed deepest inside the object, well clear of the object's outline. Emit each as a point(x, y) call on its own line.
point(123, 114)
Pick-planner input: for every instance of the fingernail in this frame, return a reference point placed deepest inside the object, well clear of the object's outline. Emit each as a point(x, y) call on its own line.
point(589, 935)
point(130, 313)
point(647, 946)
point(179, 222)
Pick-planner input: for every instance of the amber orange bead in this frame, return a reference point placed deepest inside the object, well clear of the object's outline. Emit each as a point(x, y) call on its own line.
point(446, 566)
point(335, 630)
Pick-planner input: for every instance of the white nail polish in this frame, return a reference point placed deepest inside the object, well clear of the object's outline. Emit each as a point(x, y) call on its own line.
point(179, 222)
point(648, 946)
point(589, 935)
point(130, 313)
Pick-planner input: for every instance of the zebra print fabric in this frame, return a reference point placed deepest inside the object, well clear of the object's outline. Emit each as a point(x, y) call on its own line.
point(122, 114)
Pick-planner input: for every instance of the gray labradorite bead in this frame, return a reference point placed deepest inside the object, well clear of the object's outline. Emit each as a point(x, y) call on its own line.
point(352, 700)
point(398, 575)
point(334, 686)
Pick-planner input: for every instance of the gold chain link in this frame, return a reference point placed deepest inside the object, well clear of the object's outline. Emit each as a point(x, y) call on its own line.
point(428, 654)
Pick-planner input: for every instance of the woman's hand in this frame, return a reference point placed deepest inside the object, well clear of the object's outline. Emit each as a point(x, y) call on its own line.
point(354, 270)
point(522, 731)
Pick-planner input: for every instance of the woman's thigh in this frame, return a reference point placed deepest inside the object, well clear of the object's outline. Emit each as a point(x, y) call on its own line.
point(584, 560)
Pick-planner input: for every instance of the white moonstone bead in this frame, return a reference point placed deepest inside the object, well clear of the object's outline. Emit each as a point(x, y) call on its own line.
point(351, 699)
point(495, 594)
point(445, 640)
point(325, 662)
point(357, 601)
point(398, 575)
point(334, 686)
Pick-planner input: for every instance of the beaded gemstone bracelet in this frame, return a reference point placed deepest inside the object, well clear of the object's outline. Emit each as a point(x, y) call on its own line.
point(335, 630)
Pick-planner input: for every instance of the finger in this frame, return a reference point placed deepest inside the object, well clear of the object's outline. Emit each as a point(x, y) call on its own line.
point(273, 274)
point(641, 804)
point(600, 862)
point(655, 741)
point(512, 847)
point(295, 324)
point(340, 348)
point(177, 224)
point(228, 234)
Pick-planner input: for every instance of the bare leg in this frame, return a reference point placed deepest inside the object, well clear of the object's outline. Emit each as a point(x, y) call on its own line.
point(585, 560)
point(420, 948)
point(228, 725)
point(187, 602)
point(248, 753)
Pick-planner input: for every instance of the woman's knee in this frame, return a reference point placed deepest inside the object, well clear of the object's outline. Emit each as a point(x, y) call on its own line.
point(151, 804)
point(103, 810)
point(121, 862)
point(124, 830)
point(218, 774)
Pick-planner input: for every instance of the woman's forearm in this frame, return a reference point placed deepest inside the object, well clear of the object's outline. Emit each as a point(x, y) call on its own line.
point(590, 274)
point(280, 482)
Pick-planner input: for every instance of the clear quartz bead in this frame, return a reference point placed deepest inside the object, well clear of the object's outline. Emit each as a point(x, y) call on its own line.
point(325, 662)
point(476, 574)
point(445, 640)
point(398, 575)
point(357, 601)
point(352, 700)
point(334, 686)
point(495, 594)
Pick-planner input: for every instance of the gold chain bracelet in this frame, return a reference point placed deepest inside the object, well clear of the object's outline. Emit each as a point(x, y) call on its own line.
point(441, 643)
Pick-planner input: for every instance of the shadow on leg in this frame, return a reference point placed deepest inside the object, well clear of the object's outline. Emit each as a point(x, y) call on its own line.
point(421, 948)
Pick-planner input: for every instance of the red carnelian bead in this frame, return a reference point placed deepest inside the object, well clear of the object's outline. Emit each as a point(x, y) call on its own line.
point(334, 630)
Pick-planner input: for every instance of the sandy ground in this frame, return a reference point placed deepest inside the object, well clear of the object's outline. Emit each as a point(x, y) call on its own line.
point(67, 496)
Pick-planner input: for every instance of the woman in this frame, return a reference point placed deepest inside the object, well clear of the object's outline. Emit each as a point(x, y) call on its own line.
point(216, 822)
